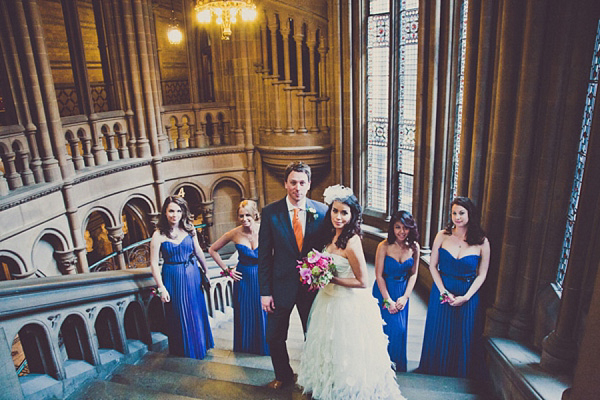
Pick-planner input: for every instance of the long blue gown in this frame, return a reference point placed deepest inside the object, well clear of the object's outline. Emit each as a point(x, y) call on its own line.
point(186, 313)
point(249, 320)
point(396, 276)
point(452, 344)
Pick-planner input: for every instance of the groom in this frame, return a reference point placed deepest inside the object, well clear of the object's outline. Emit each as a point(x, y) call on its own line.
point(287, 233)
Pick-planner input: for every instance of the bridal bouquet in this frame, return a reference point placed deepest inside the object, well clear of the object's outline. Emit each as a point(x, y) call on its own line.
point(316, 270)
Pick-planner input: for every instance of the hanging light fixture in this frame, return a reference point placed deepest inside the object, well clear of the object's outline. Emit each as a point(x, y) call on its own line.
point(225, 12)
point(174, 34)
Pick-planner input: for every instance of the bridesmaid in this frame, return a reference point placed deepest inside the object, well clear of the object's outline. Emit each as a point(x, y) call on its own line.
point(179, 280)
point(460, 257)
point(396, 263)
point(249, 320)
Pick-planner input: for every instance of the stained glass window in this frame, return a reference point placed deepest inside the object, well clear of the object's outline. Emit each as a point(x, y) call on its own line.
point(407, 100)
point(459, 97)
point(586, 125)
point(378, 50)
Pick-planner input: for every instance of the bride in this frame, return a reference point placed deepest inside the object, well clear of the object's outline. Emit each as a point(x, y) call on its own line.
point(345, 354)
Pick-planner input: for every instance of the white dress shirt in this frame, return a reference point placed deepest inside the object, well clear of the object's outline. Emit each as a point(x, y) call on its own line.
point(301, 213)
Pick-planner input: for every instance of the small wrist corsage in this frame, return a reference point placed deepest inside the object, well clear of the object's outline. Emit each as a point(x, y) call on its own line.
point(227, 272)
point(313, 212)
point(387, 303)
point(444, 297)
point(156, 291)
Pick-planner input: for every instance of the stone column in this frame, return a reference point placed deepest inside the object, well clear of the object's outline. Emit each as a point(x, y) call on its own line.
point(121, 40)
point(12, 176)
point(26, 173)
point(142, 145)
point(299, 38)
point(142, 38)
point(20, 93)
point(75, 144)
point(311, 43)
point(287, 79)
point(74, 223)
point(67, 261)
point(116, 236)
point(266, 116)
point(273, 26)
point(47, 88)
point(323, 98)
point(86, 145)
point(180, 138)
point(249, 147)
point(111, 151)
point(50, 166)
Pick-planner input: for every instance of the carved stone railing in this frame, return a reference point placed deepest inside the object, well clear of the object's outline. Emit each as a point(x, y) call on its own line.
point(79, 327)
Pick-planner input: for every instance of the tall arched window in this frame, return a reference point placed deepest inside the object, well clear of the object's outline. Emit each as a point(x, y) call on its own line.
point(586, 126)
point(392, 47)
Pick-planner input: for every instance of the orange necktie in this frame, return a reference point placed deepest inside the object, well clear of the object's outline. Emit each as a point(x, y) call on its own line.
point(297, 229)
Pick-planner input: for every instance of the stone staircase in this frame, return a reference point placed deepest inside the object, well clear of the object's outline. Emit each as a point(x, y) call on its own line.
point(227, 375)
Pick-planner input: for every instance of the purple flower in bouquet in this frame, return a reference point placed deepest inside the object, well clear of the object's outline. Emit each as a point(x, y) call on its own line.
point(316, 270)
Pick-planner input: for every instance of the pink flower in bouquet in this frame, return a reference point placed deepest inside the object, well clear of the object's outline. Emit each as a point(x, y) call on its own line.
point(316, 270)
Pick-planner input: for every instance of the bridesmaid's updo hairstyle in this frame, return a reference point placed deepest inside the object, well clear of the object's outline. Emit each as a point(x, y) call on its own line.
point(475, 234)
point(406, 219)
point(186, 222)
point(343, 195)
point(251, 207)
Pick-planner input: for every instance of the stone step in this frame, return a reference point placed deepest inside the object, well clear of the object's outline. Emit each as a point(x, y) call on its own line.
point(413, 385)
point(148, 378)
point(107, 390)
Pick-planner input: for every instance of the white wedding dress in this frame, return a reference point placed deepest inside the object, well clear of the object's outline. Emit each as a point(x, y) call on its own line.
point(345, 354)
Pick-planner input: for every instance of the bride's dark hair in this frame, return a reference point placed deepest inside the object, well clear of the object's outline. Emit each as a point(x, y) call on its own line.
point(352, 227)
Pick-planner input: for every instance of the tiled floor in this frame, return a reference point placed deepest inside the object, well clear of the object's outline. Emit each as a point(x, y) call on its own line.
point(223, 333)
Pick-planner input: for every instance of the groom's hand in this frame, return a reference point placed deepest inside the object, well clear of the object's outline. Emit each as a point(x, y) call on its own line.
point(267, 303)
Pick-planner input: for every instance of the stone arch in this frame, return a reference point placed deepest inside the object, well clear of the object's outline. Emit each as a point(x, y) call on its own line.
point(135, 218)
point(11, 266)
point(98, 245)
point(33, 346)
point(76, 340)
point(136, 327)
point(226, 194)
point(107, 331)
point(45, 252)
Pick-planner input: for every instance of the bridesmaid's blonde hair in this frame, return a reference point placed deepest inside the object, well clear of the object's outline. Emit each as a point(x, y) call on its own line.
point(251, 207)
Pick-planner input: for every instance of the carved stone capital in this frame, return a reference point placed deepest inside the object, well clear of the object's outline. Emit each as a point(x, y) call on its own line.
point(67, 261)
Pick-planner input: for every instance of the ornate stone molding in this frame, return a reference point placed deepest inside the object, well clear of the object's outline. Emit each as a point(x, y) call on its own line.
point(277, 158)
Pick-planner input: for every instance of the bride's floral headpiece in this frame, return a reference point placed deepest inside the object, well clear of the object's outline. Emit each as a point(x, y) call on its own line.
point(336, 192)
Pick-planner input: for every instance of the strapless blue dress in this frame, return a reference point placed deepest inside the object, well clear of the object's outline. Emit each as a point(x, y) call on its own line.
point(452, 344)
point(396, 276)
point(249, 320)
point(186, 314)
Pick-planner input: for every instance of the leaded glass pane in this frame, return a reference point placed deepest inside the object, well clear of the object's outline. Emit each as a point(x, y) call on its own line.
point(459, 98)
point(407, 101)
point(379, 6)
point(588, 112)
point(378, 39)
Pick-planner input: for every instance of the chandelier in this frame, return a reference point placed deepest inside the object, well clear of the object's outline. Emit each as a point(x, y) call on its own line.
point(174, 34)
point(226, 13)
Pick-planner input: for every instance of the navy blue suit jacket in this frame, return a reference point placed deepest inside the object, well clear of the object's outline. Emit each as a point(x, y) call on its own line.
point(278, 251)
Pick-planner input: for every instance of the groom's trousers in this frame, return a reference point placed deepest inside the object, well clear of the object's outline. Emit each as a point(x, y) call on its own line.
point(277, 331)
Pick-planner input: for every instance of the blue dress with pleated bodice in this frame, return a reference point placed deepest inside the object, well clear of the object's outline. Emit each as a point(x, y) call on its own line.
point(249, 320)
point(186, 314)
point(396, 276)
point(452, 344)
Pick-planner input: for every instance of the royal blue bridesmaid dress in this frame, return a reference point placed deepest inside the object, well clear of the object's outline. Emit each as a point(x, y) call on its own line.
point(249, 320)
point(396, 276)
point(452, 344)
point(186, 314)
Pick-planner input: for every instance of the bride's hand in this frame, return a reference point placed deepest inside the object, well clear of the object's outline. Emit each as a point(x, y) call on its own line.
point(393, 308)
